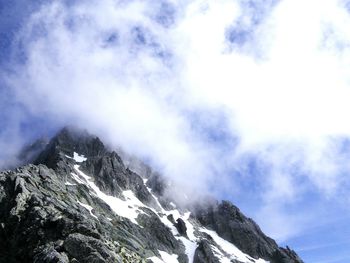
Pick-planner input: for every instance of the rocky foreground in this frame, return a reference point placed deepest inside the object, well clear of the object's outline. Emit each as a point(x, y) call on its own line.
point(78, 202)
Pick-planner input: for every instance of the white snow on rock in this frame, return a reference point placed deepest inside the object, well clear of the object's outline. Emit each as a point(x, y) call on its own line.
point(68, 183)
point(166, 258)
point(77, 179)
point(190, 227)
point(132, 199)
point(190, 247)
point(230, 249)
point(78, 158)
point(190, 243)
point(89, 208)
point(128, 208)
point(156, 260)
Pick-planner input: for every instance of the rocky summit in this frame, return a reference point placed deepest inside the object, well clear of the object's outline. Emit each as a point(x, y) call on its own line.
point(75, 200)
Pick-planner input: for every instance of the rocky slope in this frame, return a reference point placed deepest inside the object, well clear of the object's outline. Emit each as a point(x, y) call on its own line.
point(79, 202)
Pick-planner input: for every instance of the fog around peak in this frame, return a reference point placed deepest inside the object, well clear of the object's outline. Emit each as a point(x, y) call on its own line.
point(246, 100)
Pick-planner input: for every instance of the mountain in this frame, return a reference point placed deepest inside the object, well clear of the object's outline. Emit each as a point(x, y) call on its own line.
point(79, 201)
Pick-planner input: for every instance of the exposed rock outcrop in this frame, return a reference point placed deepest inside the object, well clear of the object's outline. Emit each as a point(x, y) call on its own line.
point(227, 220)
point(80, 203)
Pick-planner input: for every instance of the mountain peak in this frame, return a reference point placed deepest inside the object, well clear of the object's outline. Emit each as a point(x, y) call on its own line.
point(72, 139)
point(91, 208)
point(67, 141)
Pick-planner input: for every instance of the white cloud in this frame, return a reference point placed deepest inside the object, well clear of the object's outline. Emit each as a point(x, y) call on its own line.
point(114, 68)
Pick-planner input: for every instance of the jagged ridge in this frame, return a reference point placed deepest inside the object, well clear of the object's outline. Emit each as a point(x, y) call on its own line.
point(67, 208)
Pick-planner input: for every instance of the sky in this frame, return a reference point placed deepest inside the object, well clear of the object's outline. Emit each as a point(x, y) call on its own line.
point(246, 100)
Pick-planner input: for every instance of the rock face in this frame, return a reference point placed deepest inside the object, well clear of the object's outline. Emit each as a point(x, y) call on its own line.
point(227, 220)
point(204, 253)
point(181, 227)
point(78, 202)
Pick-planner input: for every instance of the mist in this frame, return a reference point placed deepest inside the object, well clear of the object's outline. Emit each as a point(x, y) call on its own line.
point(242, 100)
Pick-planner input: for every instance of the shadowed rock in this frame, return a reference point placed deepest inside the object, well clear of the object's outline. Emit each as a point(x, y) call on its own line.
point(47, 215)
point(230, 224)
point(204, 253)
point(181, 227)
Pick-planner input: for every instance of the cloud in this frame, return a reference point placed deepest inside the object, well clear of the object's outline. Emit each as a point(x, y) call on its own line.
point(230, 97)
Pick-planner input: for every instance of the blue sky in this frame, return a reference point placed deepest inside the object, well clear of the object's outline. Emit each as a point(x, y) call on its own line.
point(249, 99)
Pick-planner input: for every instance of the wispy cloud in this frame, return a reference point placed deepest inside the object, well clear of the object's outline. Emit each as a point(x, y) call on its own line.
point(164, 81)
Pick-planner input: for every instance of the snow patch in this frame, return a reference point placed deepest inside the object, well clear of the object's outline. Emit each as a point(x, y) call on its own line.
point(190, 243)
point(132, 199)
point(68, 183)
point(76, 178)
point(166, 258)
point(190, 247)
point(176, 214)
point(89, 208)
point(230, 249)
point(156, 260)
point(190, 227)
point(128, 208)
point(79, 158)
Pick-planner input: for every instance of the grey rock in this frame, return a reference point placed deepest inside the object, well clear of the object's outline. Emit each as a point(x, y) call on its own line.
point(87, 249)
point(181, 227)
point(42, 221)
point(204, 253)
point(227, 220)
point(68, 141)
point(50, 255)
point(171, 219)
point(160, 235)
